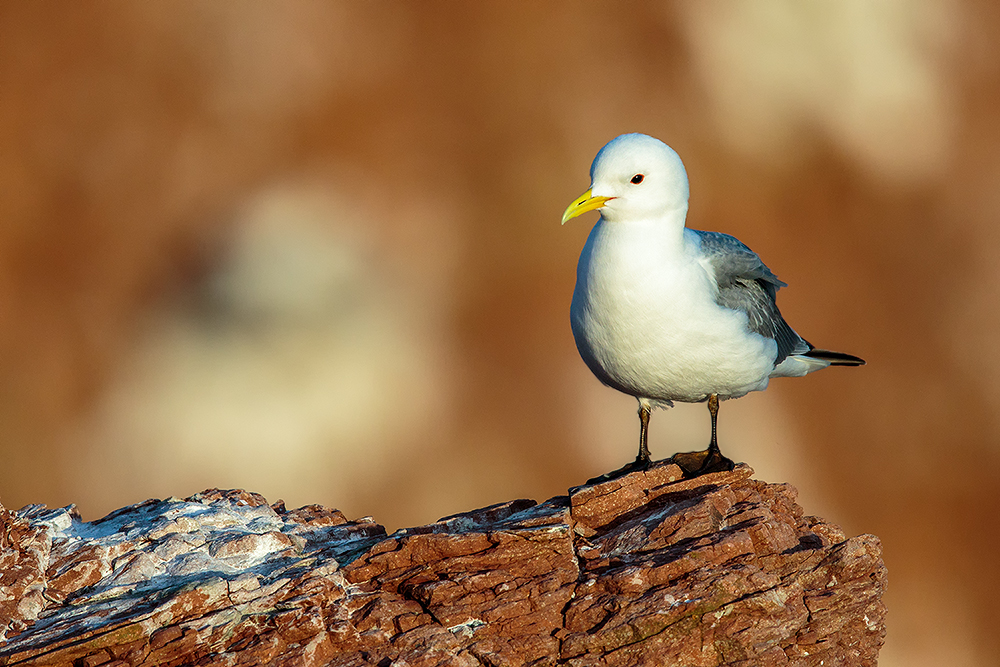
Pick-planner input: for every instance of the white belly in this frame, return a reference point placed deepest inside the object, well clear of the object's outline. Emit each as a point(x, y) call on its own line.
point(646, 323)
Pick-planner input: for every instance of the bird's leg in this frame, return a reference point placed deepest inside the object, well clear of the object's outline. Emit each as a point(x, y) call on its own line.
point(643, 457)
point(714, 460)
point(710, 460)
point(713, 409)
point(642, 461)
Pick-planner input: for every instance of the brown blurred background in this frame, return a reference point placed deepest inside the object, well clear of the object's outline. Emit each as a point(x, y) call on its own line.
point(313, 250)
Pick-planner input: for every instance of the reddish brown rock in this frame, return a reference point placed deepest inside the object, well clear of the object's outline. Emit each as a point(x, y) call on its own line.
point(647, 569)
point(24, 552)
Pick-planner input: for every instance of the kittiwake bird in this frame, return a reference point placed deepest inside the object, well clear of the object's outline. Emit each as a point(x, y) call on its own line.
point(666, 313)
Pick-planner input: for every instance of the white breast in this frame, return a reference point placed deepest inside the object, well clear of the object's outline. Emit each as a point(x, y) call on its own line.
point(646, 323)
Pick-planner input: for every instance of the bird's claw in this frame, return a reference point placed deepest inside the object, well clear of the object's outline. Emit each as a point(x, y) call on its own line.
point(640, 463)
point(696, 464)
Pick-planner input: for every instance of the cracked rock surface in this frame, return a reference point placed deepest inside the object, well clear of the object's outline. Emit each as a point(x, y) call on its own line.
point(647, 569)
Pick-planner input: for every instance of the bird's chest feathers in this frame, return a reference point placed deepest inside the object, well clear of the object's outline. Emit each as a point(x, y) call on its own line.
point(643, 290)
point(646, 321)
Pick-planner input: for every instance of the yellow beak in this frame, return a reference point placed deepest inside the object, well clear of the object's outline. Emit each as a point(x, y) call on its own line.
point(585, 202)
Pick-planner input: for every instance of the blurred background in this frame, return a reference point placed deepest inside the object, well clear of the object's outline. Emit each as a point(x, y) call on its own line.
point(312, 249)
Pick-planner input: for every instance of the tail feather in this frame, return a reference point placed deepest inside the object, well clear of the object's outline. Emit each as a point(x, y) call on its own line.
point(835, 358)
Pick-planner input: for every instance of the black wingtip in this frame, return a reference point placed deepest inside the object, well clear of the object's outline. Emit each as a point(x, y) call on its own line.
point(835, 358)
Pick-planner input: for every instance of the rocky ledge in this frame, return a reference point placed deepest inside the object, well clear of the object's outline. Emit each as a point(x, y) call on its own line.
point(647, 569)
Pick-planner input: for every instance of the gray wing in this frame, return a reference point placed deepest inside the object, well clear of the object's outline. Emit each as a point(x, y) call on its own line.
point(747, 285)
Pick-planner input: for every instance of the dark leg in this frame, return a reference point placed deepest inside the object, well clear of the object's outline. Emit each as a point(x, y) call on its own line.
point(710, 460)
point(642, 461)
point(713, 409)
point(643, 457)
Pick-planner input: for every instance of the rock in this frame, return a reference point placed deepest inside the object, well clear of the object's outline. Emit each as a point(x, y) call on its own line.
point(646, 569)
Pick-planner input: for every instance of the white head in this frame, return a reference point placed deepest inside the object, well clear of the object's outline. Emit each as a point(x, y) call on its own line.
point(634, 177)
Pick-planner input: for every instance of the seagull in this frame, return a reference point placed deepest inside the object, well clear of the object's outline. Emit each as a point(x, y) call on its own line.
point(665, 313)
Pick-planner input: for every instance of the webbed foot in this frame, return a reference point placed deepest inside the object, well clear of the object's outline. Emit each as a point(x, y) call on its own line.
point(640, 463)
point(696, 464)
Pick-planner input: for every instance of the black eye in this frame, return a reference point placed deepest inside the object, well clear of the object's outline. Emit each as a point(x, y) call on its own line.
point(637, 179)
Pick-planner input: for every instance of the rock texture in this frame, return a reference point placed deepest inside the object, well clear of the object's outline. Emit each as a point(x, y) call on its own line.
point(647, 569)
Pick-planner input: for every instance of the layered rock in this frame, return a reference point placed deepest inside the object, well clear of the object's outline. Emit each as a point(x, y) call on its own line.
point(647, 569)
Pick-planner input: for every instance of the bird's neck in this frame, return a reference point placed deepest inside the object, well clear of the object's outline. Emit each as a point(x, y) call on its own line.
point(665, 232)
